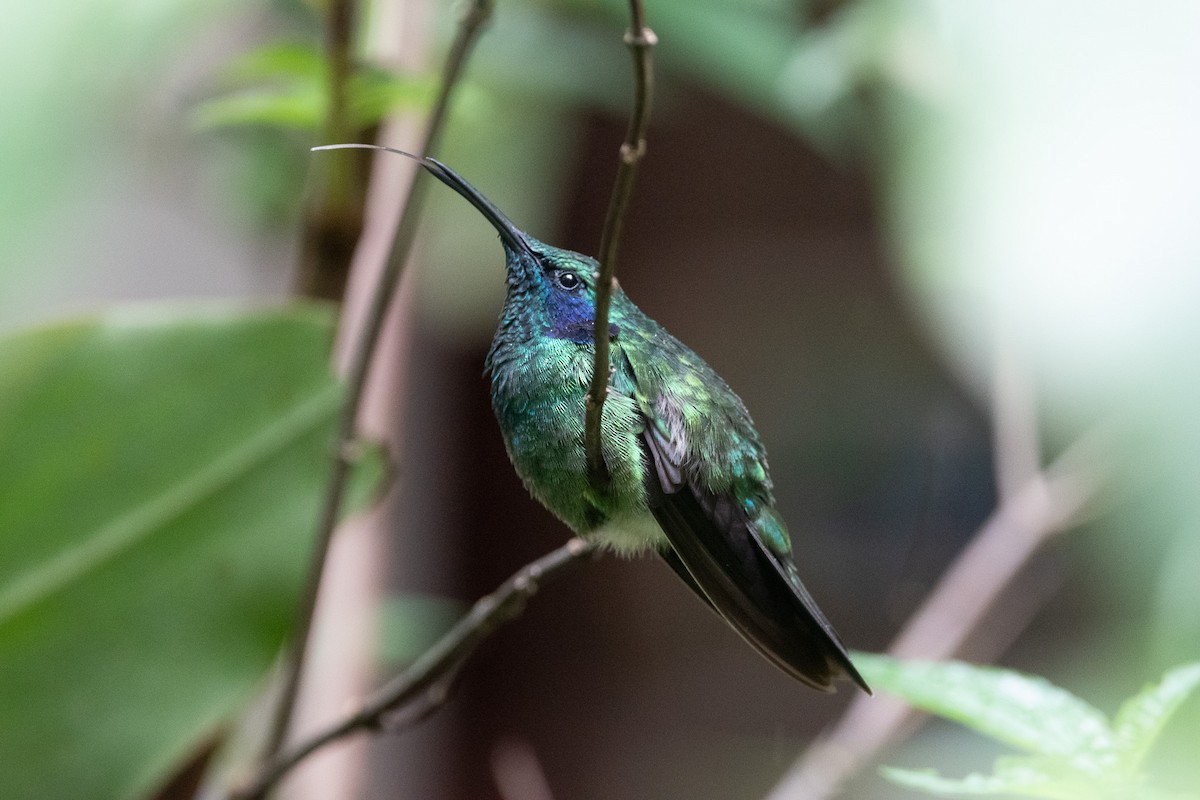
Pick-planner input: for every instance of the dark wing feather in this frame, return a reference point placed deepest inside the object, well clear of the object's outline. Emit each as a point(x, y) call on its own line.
point(731, 568)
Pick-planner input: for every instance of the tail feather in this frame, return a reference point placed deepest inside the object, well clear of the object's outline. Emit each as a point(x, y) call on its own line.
point(757, 592)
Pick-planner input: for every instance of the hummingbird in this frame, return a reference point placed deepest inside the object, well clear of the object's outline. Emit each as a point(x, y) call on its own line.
point(688, 472)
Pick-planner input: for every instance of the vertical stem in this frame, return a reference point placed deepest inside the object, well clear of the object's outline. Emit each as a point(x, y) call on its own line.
point(469, 29)
point(333, 215)
point(640, 40)
point(339, 53)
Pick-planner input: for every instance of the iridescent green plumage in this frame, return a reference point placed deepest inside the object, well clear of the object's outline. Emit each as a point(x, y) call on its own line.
point(688, 471)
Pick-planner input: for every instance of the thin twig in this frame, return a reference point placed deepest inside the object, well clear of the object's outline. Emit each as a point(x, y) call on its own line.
point(468, 32)
point(1054, 499)
point(339, 40)
point(1015, 440)
point(425, 684)
point(640, 40)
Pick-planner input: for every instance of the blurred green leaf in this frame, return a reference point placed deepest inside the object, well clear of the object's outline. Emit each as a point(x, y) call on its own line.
point(1142, 717)
point(158, 488)
point(375, 93)
point(275, 61)
point(296, 105)
point(1077, 755)
point(1024, 711)
point(1027, 777)
point(815, 73)
point(286, 86)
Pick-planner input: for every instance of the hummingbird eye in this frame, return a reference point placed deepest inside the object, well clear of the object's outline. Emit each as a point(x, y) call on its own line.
point(567, 280)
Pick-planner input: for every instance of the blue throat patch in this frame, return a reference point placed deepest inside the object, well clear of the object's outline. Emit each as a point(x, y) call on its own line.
point(572, 318)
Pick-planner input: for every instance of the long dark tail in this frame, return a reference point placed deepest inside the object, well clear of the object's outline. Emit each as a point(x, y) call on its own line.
point(720, 555)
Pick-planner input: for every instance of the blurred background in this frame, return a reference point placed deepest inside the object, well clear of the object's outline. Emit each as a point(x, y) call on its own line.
point(860, 213)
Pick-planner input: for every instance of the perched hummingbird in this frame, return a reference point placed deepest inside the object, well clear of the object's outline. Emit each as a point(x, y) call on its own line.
point(688, 472)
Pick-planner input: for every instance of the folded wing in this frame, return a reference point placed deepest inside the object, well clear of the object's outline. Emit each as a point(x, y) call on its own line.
point(721, 554)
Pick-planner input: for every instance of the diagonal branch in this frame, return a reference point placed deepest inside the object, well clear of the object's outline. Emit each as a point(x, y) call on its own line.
point(424, 686)
point(468, 33)
point(640, 40)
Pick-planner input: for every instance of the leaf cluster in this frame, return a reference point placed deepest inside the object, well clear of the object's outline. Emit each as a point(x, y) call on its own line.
point(286, 85)
point(1071, 750)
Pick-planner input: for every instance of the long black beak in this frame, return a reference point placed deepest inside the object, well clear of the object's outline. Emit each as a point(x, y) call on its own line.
point(509, 233)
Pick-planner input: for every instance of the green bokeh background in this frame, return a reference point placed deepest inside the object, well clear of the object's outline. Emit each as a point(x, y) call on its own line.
point(849, 208)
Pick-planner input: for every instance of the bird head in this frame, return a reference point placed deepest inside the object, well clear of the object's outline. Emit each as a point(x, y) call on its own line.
point(558, 286)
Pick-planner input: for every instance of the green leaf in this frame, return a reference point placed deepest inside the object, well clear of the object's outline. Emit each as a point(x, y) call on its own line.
point(1077, 754)
point(295, 60)
point(1142, 717)
point(375, 93)
point(297, 105)
point(1024, 711)
point(281, 85)
point(1029, 777)
point(1026, 777)
point(158, 489)
point(286, 86)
